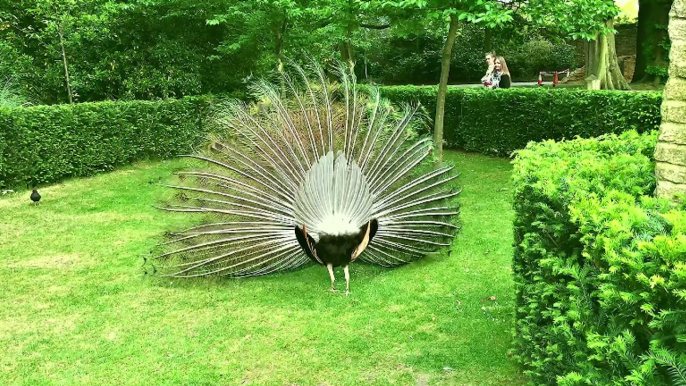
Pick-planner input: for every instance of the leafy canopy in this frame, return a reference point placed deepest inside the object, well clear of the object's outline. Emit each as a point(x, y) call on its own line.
point(574, 18)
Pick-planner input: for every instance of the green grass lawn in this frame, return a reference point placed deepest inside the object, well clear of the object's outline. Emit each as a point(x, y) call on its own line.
point(77, 308)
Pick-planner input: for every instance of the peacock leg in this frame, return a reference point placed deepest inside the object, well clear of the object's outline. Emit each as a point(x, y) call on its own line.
point(330, 268)
point(347, 280)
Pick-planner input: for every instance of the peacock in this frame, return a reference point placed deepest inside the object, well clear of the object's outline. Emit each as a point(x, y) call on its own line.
point(315, 170)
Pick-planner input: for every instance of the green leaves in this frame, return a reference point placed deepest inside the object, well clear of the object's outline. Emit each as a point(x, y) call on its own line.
point(574, 18)
point(603, 296)
point(149, 49)
point(133, 50)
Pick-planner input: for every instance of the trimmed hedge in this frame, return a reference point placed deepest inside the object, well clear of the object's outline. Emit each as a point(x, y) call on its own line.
point(45, 144)
point(501, 121)
point(599, 265)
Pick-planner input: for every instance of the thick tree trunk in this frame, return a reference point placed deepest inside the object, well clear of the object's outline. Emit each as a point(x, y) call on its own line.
point(443, 88)
point(602, 62)
point(347, 52)
point(652, 16)
point(661, 36)
point(670, 152)
point(659, 61)
point(642, 35)
point(591, 57)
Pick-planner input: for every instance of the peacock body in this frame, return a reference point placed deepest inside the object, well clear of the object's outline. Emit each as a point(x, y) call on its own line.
point(315, 171)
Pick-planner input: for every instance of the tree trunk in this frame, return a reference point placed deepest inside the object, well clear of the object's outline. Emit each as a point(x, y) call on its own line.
point(279, 51)
point(347, 52)
point(60, 32)
point(652, 15)
point(366, 66)
point(591, 59)
point(661, 37)
point(602, 62)
point(443, 88)
point(488, 40)
point(670, 152)
point(659, 61)
point(280, 38)
point(642, 35)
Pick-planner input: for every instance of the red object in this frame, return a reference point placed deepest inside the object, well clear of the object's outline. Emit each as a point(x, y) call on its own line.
point(555, 80)
point(540, 79)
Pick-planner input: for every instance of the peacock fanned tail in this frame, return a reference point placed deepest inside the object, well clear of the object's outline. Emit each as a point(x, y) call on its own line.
point(315, 156)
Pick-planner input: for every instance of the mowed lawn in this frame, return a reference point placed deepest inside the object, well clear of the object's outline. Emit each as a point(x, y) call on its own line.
point(76, 307)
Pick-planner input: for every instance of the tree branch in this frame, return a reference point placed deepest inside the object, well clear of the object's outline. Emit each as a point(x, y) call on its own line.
point(372, 26)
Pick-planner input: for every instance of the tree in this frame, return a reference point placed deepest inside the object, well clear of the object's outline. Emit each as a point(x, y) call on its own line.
point(256, 25)
point(574, 18)
point(652, 40)
point(602, 64)
point(347, 25)
point(112, 49)
point(42, 25)
point(321, 28)
point(670, 152)
point(591, 20)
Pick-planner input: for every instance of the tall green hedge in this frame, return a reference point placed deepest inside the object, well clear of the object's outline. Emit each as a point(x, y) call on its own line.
point(48, 143)
point(599, 265)
point(501, 121)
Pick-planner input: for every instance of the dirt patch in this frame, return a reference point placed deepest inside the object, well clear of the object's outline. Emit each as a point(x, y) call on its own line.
point(423, 380)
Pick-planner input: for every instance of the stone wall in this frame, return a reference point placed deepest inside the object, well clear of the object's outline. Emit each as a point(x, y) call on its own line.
point(670, 153)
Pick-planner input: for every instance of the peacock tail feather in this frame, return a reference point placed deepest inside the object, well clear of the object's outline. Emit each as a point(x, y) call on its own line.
point(315, 154)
